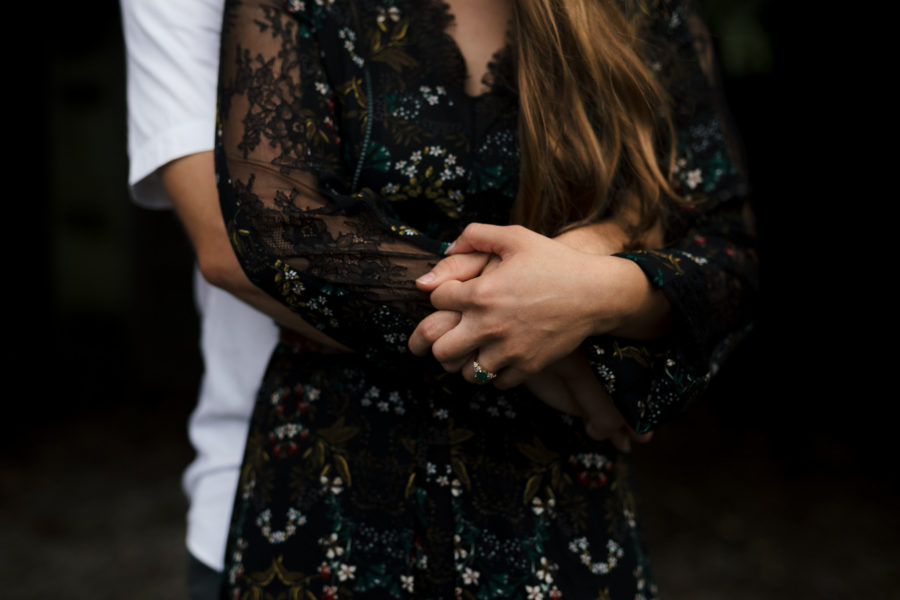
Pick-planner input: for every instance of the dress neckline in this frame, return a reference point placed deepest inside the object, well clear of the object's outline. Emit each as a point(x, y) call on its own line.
point(447, 56)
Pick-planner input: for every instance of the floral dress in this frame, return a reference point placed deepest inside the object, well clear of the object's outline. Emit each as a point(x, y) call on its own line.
point(348, 157)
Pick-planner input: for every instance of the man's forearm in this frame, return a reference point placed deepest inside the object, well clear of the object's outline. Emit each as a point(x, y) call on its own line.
point(190, 183)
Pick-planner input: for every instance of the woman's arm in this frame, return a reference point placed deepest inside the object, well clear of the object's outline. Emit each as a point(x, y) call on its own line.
point(705, 281)
point(568, 384)
point(302, 236)
point(537, 303)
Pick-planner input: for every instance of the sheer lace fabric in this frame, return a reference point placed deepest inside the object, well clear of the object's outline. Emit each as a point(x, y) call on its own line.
point(350, 156)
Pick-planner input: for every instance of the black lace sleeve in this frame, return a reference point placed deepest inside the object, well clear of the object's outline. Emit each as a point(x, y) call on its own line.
point(709, 273)
point(300, 231)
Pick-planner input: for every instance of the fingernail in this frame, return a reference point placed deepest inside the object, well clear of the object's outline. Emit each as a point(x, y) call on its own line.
point(426, 278)
point(450, 247)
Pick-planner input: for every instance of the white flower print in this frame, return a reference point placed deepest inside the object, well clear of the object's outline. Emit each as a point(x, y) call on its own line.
point(470, 577)
point(335, 486)
point(534, 592)
point(331, 546)
point(546, 570)
point(694, 178)
point(614, 552)
point(459, 552)
point(406, 582)
point(346, 572)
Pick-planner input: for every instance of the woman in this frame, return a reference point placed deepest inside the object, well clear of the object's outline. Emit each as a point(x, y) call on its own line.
point(357, 140)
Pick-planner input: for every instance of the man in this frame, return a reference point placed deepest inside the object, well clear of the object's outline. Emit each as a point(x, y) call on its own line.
point(172, 66)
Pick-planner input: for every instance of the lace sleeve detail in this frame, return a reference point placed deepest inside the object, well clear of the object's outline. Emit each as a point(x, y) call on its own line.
point(330, 253)
point(709, 273)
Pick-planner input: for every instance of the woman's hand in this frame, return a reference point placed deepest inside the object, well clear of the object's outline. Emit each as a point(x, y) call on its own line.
point(532, 304)
point(570, 386)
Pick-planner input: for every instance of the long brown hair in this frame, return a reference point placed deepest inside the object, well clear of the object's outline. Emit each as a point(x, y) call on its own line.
point(594, 128)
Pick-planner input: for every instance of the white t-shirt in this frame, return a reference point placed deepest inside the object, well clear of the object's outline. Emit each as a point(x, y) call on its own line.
point(172, 55)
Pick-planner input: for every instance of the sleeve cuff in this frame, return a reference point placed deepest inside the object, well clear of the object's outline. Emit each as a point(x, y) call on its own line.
point(190, 138)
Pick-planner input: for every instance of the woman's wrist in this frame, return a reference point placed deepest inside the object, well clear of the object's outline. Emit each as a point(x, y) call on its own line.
point(630, 306)
point(603, 238)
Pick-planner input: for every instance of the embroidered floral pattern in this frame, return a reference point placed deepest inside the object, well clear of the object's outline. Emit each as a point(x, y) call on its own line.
point(349, 157)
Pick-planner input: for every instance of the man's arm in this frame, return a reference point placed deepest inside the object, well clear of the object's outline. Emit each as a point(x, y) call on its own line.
point(190, 183)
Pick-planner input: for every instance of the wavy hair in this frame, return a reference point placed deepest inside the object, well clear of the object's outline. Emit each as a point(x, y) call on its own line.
point(595, 129)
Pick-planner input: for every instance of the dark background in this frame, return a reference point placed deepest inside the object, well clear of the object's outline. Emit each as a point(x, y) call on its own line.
point(782, 483)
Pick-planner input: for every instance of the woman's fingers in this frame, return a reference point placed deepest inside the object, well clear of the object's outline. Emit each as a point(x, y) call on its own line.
point(489, 371)
point(552, 391)
point(452, 295)
point(643, 438)
point(430, 329)
point(459, 267)
point(603, 421)
point(510, 377)
point(457, 348)
point(617, 437)
point(569, 386)
point(492, 239)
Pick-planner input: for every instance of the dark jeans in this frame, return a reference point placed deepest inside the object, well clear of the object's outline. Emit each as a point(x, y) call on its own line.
point(203, 582)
